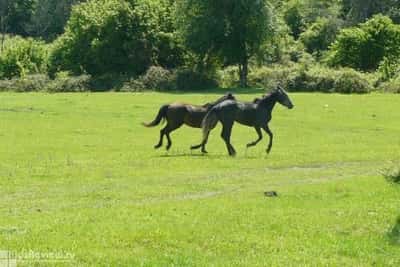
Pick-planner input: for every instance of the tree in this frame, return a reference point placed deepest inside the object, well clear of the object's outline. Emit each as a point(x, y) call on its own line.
point(228, 31)
point(356, 11)
point(116, 36)
point(365, 46)
point(50, 17)
point(320, 35)
point(15, 15)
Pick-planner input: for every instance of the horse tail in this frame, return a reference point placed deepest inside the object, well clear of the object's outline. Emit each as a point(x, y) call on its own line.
point(162, 114)
point(209, 123)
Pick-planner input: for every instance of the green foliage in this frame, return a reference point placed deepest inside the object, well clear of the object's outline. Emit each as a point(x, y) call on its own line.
point(351, 81)
point(110, 36)
point(300, 77)
point(389, 68)
point(63, 82)
point(319, 35)
point(294, 18)
point(391, 86)
point(155, 78)
point(231, 31)
point(356, 11)
point(365, 46)
point(188, 80)
point(15, 16)
point(50, 17)
point(393, 176)
point(27, 83)
point(22, 56)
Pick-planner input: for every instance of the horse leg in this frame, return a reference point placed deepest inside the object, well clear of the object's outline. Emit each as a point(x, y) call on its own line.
point(202, 145)
point(258, 130)
point(268, 131)
point(168, 129)
point(226, 135)
point(162, 132)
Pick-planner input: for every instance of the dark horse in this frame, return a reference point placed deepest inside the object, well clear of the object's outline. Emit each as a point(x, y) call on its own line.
point(255, 114)
point(178, 114)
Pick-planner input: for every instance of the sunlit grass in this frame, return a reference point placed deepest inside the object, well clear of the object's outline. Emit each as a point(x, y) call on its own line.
point(78, 173)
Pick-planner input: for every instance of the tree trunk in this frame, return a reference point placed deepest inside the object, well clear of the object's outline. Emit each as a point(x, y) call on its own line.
point(243, 71)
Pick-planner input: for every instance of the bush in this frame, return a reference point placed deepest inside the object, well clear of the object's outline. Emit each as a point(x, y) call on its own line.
point(155, 78)
point(270, 77)
point(28, 83)
point(365, 46)
point(66, 83)
point(22, 57)
point(388, 68)
point(393, 176)
point(190, 80)
point(300, 77)
point(227, 77)
point(112, 36)
point(391, 86)
point(351, 81)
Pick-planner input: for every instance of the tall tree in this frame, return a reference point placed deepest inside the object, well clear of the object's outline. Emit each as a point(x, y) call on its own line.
point(15, 15)
point(355, 11)
point(50, 18)
point(231, 31)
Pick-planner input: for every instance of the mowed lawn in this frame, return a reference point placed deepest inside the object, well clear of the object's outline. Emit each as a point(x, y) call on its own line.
point(79, 175)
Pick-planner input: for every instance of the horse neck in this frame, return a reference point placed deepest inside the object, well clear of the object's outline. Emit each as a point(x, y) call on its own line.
point(269, 103)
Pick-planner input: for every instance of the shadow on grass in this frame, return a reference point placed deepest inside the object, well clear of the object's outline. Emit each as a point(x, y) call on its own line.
point(189, 155)
point(394, 234)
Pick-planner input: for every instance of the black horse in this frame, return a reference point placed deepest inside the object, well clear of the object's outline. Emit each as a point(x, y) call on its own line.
point(255, 114)
point(177, 114)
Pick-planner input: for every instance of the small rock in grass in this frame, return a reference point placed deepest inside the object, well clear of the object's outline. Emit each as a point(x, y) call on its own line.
point(271, 194)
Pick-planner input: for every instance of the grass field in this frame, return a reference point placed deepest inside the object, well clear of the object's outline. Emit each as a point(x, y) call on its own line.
point(79, 175)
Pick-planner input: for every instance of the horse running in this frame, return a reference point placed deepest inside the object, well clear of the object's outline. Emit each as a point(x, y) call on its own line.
point(177, 114)
point(255, 114)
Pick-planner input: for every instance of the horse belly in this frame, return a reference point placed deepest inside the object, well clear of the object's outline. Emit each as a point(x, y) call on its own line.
point(247, 118)
point(194, 119)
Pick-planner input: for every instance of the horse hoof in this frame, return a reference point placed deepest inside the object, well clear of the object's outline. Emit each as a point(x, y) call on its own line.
point(157, 146)
point(204, 151)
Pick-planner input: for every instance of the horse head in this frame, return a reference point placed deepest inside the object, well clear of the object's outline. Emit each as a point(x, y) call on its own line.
point(282, 97)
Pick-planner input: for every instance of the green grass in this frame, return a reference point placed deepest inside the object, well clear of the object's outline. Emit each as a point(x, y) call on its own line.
point(78, 174)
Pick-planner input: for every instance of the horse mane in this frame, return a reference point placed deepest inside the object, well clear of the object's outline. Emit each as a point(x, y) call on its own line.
point(227, 96)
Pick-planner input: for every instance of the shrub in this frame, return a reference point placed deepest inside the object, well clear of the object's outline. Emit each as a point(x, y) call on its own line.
point(391, 86)
point(155, 78)
point(300, 77)
point(190, 80)
point(393, 176)
point(270, 77)
point(28, 83)
point(22, 57)
point(66, 83)
point(388, 68)
point(227, 77)
point(351, 81)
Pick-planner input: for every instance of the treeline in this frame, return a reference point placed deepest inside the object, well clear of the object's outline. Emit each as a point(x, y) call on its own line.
point(307, 45)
